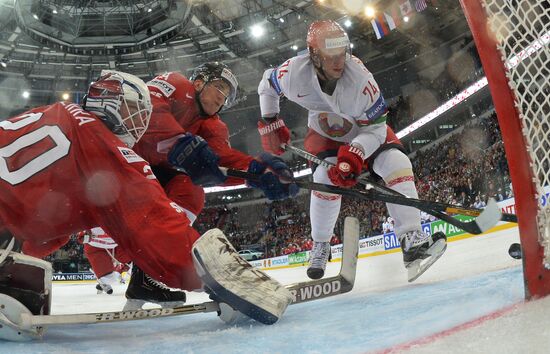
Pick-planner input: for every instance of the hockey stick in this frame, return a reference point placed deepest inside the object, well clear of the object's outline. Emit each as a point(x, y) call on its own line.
point(21, 324)
point(486, 220)
point(435, 206)
point(338, 284)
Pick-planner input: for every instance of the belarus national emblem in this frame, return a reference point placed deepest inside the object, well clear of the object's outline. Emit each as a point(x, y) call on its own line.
point(334, 125)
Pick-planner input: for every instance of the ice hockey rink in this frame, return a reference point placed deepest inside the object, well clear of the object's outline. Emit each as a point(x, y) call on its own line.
point(470, 301)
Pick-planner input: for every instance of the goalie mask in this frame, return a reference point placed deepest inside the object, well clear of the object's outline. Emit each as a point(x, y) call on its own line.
point(122, 102)
point(212, 71)
point(328, 45)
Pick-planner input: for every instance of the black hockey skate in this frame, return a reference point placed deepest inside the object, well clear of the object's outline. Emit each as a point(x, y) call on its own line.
point(420, 251)
point(104, 288)
point(142, 288)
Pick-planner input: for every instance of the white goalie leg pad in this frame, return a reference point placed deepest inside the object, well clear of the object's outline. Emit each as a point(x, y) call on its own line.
point(234, 281)
point(12, 327)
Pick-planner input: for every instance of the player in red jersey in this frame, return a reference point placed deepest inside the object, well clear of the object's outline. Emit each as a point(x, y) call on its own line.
point(108, 261)
point(192, 105)
point(66, 168)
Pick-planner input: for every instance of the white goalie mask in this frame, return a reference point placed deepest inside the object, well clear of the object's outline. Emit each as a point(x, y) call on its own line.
point(122, 102)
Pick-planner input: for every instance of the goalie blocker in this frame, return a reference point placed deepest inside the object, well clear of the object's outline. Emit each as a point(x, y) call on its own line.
point(233, 281)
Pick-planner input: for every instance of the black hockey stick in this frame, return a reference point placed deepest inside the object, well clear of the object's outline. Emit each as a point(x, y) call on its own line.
point(20, 324)
point(486, 220)
point(435, 206)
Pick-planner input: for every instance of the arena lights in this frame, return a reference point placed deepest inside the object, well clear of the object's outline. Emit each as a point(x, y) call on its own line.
point(347, 23)
point(294, 47)
point(370, 12)
point(257, 30)
point(65, 96)
point(26, 94)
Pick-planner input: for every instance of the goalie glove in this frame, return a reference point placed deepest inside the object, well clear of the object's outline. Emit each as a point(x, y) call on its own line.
point(273, 133)
point(348, 166)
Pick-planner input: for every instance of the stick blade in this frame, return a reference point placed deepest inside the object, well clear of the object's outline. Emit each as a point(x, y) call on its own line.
point(350, 250)
point(490, 216)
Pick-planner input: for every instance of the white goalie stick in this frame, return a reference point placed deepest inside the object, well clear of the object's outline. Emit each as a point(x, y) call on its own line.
point(19, 324)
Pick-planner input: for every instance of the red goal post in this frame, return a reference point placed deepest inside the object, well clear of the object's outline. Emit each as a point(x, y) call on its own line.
point(512, 40)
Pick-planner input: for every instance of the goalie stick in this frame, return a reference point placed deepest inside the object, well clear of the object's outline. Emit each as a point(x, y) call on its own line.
point(488, 218)
point(18, 323)
point(435, 206)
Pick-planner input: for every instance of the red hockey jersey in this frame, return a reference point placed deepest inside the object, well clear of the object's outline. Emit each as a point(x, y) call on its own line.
point(63, 171)
point(175, 112)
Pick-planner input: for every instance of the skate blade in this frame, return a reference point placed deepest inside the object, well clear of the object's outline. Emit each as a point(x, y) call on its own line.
point(417, 268)
point(136, 304)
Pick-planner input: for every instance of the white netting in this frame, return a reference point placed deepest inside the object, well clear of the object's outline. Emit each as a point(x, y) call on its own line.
point(522, 28)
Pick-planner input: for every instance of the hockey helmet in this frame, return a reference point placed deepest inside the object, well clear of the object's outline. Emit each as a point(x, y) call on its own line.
point(327, 37)
point(215, 70)
point(115, 92)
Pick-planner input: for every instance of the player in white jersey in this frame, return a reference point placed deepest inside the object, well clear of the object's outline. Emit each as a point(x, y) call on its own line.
point(347, 125)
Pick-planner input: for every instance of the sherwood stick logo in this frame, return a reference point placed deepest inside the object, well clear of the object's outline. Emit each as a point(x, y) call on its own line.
point(133, 315)
point(316, 291)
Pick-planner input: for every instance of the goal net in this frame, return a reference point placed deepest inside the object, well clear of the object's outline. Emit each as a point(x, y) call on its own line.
point(512, 38)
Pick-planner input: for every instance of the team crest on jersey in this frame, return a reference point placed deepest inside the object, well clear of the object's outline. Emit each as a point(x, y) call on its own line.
point(130, 155)
point(334, 125)
point(164, 87)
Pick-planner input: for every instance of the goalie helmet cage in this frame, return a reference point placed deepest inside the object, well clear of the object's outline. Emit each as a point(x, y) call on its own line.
point(512, 41)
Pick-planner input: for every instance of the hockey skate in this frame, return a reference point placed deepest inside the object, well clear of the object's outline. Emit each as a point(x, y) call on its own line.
point(421, 250)
point(104, 288)
point(143, 288)
point(318, 258)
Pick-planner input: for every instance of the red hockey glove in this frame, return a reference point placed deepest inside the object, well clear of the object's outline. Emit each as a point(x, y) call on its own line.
point(348, 166)
point(274, 133)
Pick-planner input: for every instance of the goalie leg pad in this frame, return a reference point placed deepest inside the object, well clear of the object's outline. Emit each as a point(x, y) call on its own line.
point(28, 280)
point(236, 282)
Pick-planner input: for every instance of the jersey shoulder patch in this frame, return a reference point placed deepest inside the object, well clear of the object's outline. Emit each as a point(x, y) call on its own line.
point(129, 155)
point(166, 88)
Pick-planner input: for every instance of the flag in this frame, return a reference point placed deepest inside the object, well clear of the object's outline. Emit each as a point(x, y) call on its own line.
point(379, 26)
point(420, 5)
point(396, 15)
point(406, 8)
point(390, 21)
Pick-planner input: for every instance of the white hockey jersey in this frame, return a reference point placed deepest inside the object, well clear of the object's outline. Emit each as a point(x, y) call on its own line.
point(354, 113)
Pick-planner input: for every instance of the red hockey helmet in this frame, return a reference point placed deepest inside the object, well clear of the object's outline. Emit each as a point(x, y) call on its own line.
point(327, 37)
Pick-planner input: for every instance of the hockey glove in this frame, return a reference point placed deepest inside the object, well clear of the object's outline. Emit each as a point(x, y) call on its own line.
point(269, 182)
point(192, 155)
point(348, 166)
point(273, 133)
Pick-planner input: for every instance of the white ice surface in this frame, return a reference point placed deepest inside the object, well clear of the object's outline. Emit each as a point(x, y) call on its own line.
point(474, 278)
